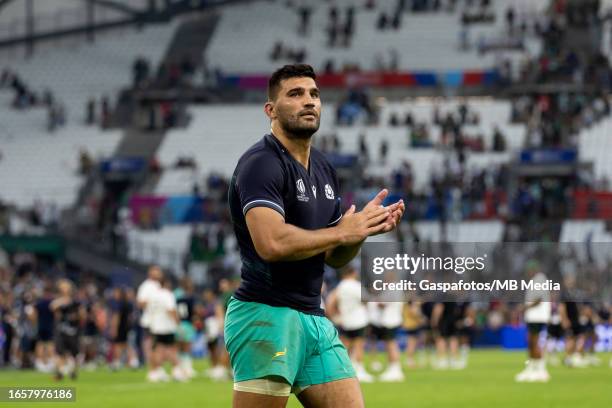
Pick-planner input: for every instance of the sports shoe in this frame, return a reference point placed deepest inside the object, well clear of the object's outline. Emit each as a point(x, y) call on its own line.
point(218, 373)
point(576, 361)
point(362, 375)
point(440, 364)
point(392, 374)
point(458, 364)
point(593, 360)
point(527, 374)
point(540, 375)
point(179, 375)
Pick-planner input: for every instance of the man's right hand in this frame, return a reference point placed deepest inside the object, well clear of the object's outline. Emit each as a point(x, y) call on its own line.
point(355, 227)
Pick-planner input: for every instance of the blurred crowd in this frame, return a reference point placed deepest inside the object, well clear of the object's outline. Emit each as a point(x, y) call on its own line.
point(56, 320)
point(59, 321)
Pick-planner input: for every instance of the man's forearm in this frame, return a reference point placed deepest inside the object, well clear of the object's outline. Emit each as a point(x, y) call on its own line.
point(294, 243)
point(342, 254)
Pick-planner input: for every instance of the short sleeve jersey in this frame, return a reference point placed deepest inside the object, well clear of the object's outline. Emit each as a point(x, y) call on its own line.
point(268, 176)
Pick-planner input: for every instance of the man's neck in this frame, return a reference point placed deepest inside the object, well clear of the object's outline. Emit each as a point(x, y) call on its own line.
point(298, 148)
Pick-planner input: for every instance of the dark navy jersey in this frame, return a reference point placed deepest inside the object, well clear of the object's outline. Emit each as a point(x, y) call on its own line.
point(68, 318)
point(184, 307)
point(268, 176)
point(45, 315)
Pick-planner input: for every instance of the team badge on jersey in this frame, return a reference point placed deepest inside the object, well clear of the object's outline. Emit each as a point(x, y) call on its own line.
point(329, 192)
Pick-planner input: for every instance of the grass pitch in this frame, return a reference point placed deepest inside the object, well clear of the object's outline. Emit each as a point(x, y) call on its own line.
point(487, 382)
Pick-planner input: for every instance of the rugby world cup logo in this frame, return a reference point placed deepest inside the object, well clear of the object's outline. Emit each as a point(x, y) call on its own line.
point(301, 188)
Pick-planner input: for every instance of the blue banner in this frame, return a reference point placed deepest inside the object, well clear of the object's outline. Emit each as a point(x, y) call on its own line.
point(123, 165)
point(548, 156)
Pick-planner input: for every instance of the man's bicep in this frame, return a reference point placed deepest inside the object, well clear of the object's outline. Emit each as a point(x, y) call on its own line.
point(264, 224)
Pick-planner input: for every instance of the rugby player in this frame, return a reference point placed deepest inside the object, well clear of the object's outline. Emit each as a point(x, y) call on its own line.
point(286, 213)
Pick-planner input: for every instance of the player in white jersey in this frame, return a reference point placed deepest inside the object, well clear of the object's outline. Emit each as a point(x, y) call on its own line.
point(537, 314)
point(164, 325)
point(347, 311)
point(385, 318)
point(146, 292)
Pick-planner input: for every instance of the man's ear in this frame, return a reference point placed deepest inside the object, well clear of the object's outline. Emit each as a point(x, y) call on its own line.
point(269, 110)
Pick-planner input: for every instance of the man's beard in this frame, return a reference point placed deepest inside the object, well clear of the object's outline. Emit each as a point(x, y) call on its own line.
point(296, 130)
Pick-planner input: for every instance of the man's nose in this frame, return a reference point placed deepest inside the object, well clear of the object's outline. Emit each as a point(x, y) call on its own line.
point(309, 102)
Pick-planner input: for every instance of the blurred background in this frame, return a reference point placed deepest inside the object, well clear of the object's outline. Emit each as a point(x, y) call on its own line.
point(122, 121)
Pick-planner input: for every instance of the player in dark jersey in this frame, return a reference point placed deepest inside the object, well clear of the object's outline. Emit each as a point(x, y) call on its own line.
point(466, 321)
point(288, 222)
point(589, 318)
point(186, 333)
point(555, 334)
point(44, 318)
point(211, 313)
point(68, 317)
point(444, 321)
point(122, 319)
point(574, 340)
point(429, 341)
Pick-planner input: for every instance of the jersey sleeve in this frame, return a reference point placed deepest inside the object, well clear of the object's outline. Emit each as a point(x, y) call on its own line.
point(260, 183)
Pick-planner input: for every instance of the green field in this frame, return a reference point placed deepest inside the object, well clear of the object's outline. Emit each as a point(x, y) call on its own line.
point(487, 382)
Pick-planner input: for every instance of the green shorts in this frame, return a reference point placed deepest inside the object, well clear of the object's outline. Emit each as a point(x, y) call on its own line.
point(267, 341)
point(185, 332)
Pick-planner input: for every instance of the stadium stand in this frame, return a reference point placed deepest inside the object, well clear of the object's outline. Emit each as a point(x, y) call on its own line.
point(231, 46)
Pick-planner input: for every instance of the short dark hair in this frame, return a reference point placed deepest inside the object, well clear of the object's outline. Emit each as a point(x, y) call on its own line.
point(286, 72)
point(347, 270)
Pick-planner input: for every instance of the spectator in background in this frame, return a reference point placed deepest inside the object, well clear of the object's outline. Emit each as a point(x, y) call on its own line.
point(332, 34)
point(277, 51)
point(364, 155)
point(396, 21)
point(48, 98)
point(464, 37)
point(381, 23)
point(510, 20)
point(140, 71)
point(409, 119)
point(86, 163)
point(106, 113)
point(187, 69)
point(333, 26)
point(393, 60)
point(384, 151)
point(90, 111)
point(394, 120)
point(305, 13)
point(349, 26)
point(4, 78)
